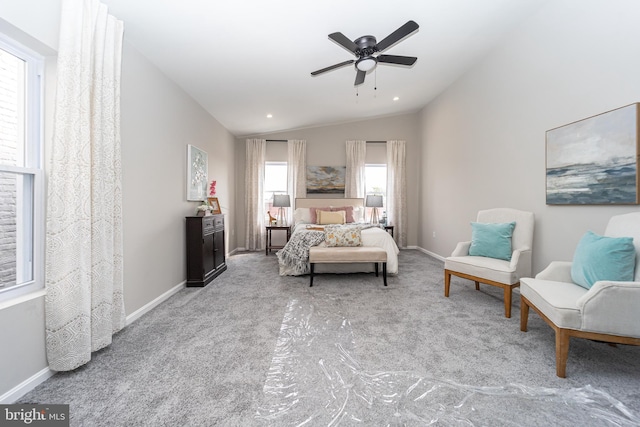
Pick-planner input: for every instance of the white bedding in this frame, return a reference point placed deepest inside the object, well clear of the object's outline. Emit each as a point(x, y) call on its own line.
point(373, 236)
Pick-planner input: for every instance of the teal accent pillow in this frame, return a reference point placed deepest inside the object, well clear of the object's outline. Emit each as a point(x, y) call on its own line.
point(491, 240)
point(603, 258)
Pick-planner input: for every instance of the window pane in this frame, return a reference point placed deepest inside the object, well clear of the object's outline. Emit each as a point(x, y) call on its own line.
point(275, 182)
point(16, 229)
point(12, 117)
point(375, 178)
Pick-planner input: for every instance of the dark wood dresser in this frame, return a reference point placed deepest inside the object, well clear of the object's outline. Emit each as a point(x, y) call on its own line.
point(205, 249)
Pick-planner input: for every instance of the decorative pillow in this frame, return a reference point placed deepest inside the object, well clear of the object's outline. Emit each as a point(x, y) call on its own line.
point(358, 214)
point(314, 214)
point(346, 235)
point(603, 258)
point(491, 240)
point(302, 216)
point(328, 217)
point(348, 212)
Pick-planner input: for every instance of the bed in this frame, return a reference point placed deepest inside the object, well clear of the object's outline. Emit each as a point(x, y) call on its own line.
point(306, 232)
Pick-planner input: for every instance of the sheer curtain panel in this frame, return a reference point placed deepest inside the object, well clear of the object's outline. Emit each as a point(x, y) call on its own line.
point(254, 198)
point(354, 178)
point(296, 172)
point(397, 190)
point(84, 302)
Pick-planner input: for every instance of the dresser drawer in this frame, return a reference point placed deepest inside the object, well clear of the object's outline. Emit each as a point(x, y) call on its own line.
point(208, 224)
point(218, 221)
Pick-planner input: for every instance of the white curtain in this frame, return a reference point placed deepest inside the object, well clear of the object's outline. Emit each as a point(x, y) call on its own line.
point(84, 302)
point(254, 195)
point(397, 190)
point(296, 172)
point(354, 178)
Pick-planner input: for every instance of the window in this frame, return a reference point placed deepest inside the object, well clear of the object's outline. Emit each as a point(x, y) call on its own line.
point(21, 175)
point(275, 182)
point(375, 182)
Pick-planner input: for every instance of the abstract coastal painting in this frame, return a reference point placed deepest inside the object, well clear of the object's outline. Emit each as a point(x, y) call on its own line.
point(325, 179)
point(594, 161)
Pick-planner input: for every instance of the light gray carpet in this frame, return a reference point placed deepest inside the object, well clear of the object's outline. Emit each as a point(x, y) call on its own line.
point(254, 348)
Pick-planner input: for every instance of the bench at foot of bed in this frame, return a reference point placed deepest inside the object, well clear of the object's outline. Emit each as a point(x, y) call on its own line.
point(355, 254)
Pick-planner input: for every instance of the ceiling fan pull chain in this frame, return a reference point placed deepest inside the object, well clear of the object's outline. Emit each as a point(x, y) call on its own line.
point(375, 83)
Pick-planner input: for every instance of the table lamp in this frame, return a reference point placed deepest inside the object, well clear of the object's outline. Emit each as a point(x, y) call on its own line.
point(374, 202)
point(281, 201)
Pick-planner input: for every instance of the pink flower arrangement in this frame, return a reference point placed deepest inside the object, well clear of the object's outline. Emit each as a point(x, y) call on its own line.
point(212, 188)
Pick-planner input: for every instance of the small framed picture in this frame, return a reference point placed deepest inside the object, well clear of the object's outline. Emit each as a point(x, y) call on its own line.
point(215, 205)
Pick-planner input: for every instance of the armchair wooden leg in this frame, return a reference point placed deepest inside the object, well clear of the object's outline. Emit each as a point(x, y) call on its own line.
point(524, 314)
point(562, 352)
point(477, 286)
point(447, 283)
point(507, 302)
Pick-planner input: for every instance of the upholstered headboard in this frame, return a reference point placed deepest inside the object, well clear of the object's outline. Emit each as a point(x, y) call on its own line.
point(324, 203)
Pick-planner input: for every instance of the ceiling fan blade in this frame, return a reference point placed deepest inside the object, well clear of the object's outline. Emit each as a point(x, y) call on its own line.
point(397, 35)
point(343, 41)
point(333, 67)
point(360, 77)
point(395, 59)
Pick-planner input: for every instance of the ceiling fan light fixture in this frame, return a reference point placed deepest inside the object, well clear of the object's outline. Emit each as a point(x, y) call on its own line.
point(367, 63)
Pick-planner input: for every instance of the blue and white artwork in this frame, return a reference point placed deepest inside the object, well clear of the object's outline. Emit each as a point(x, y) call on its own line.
point(594, 161)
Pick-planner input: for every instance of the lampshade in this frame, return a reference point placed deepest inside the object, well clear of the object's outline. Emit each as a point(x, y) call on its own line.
point(281, 201)
point(373, 202)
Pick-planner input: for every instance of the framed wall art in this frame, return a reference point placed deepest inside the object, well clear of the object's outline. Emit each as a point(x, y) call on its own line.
point(197, 174)
point(325, 179)
point(594, 161)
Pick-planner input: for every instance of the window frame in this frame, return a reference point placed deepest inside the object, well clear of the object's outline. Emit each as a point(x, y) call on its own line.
point(33, 167)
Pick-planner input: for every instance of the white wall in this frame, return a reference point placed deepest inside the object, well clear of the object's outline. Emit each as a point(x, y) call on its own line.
point(326, 147)
point(484, 137)
point(158, 120)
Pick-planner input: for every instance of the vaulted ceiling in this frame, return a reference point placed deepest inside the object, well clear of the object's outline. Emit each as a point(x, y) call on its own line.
point(244, 59)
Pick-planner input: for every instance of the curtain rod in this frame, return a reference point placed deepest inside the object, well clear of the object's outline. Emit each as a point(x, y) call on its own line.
point(285, 140)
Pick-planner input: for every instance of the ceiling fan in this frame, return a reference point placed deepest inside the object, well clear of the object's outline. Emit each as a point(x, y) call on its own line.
point(367, 51)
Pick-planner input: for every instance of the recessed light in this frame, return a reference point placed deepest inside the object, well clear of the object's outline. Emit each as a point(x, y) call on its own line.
point(269, 116)
point(395, 98)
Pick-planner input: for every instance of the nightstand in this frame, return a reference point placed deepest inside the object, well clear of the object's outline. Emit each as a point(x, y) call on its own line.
point(270, 228)
point(388, 229)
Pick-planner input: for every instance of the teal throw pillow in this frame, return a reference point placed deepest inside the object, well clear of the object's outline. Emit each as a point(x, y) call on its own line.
point(603, 258)
point(491, 240)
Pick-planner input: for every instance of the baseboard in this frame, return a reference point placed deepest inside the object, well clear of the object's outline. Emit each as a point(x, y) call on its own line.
point(431, 254)
point(235, 251)
point(153, 304)
point(26, 386)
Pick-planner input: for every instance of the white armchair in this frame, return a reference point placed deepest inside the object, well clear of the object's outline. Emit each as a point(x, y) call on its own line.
point(491, 271)
point(608, 311)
